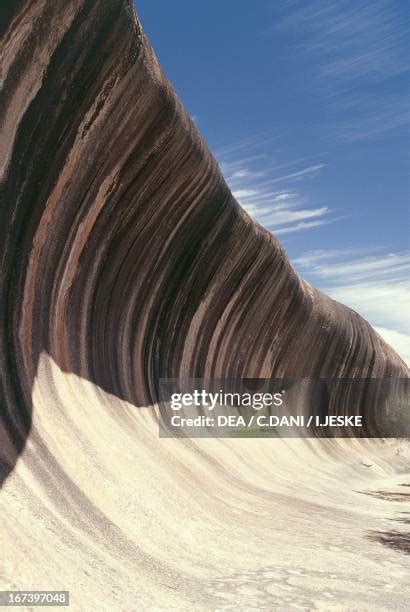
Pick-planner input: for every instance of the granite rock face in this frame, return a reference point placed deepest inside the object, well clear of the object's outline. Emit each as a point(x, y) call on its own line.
point(124, 256)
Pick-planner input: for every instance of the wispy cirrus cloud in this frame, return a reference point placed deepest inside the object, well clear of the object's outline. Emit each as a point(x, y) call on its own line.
point(346, 39)
point(358, 264)
point(373, 282)
point(363, 116)
point(272, 193)
point(354, 55)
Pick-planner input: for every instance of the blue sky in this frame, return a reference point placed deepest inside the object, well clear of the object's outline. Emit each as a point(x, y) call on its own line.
point(305, 104)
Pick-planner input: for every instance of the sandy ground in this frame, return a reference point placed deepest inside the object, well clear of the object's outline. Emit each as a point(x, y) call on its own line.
point(99, 505)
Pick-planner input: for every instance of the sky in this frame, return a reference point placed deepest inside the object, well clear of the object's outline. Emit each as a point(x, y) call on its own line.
point(305, 105)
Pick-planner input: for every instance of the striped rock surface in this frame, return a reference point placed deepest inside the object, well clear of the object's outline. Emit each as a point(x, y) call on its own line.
point(124, 258)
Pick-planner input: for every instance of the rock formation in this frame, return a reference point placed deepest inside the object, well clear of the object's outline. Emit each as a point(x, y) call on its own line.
point(124, 259)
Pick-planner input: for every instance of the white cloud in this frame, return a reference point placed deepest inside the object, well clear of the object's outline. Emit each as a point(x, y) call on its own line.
point(347, 39)
point(399, 340)
point(250, 178)
point(349, 51)
point(244, 193)
point(384, 303)
point(340, 264)
point(374, 283)
point(286, 217)
point(295, 175)
point(300, 227)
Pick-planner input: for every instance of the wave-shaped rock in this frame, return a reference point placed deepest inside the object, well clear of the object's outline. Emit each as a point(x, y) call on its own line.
point(125, 258)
